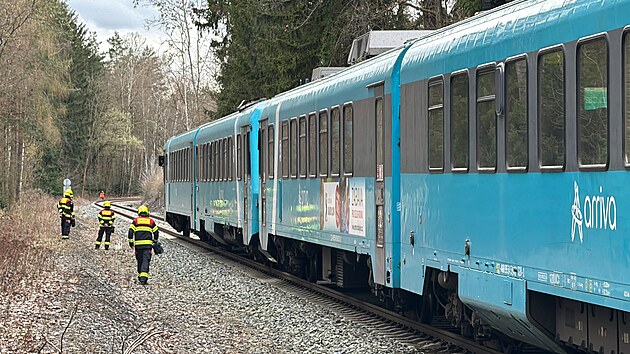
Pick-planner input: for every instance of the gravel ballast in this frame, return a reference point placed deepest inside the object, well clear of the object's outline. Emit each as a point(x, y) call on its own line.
point(194, 303)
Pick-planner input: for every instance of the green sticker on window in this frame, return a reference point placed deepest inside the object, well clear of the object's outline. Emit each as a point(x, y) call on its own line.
point(595, 98)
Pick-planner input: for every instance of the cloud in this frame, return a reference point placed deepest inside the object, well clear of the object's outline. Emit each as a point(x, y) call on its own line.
point(108, 16)
point(112, 14)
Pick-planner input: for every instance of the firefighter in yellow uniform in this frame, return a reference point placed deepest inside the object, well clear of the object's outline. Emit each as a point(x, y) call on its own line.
point(106, 220)
point(66, 213)
point(143, 232)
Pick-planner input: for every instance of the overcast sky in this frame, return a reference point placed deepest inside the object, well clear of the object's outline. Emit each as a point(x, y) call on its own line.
point(108, 16)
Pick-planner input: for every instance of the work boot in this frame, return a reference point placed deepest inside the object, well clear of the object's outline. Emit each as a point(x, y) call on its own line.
point(106, 247)
point(97, 247)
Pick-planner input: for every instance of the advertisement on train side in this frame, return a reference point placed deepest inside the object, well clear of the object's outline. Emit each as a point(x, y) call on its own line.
point(343, 206)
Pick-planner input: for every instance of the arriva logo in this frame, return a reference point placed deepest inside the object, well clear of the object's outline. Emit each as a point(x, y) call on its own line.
point(600, 212)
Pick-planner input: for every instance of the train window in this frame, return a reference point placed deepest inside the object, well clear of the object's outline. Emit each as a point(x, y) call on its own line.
point(348, 147)
point(378, 112)
point(335, 141)
point(294, 145)
point(262, 143)
point(303, 151)
point(199, 162)
point(551, 109)
point(239, 157)
point(270, 151)
point(222, 158)
point(626, 80)
point(323, 143)
point(312, 142)
point(217, 158)
point(486, 121)
point(217, 161)
point(230, 160)
point(592, 96)
point(459, 122)
point(436, 125)
point(247, 167)
point(284, 156)
point(516, 114)
point(207, 163)
point(225, 159)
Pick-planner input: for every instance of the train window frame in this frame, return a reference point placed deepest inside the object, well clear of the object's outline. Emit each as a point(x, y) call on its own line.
point(217, 154)
point(230, 160)
point(332, 154)
point(222, 158)
point(508, 61)
point(208, 161)
point(262, 147)
point(345, 154)
point(581, 42)
point(465, 73)
point(486, 69)
point(271, 138)
point(239, 156)
point(544, 51)
point(302, 155)
point(313, 140)
point(323, 170)
point(433, 82)
point(625, 63)
point(200, 161)
point(293, 136)
point(284, 149)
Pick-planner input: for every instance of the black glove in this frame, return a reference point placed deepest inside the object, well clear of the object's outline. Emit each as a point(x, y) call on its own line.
point(131, 244)
point(113, 229)
point(73, 223)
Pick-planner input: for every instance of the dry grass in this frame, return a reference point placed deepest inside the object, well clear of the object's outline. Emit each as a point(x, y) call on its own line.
point(27, 233)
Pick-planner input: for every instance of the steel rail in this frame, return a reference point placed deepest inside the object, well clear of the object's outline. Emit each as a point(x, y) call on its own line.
point(393, 318)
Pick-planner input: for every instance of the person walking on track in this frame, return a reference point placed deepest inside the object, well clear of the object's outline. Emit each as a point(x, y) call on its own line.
point(106, 220)
point(66, 213)
point(143, 232)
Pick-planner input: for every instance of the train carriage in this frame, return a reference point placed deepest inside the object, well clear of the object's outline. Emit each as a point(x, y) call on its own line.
point(479, 172)
point(518, 185)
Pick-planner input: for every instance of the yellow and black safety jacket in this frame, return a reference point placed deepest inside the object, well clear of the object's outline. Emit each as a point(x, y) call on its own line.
point(66, 208)
point(106, 217)
point(142, 232)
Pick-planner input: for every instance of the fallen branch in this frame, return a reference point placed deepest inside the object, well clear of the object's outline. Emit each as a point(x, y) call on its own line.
point(76, 307)
point(143, 338)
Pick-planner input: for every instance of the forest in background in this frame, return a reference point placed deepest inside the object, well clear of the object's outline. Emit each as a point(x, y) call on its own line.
point(68, 110)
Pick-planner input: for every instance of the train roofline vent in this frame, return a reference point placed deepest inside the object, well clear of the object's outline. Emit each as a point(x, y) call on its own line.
point(323, 71)
point(374, 43)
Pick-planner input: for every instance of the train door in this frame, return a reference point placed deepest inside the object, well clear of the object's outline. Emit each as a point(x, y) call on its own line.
point(262, 143)
point(246, 180)
point(379, 184)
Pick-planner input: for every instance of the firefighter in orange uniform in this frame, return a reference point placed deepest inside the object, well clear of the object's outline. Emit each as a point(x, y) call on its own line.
point(66, 213)
point(143, 232)
point(106, 220)
point(102, 195)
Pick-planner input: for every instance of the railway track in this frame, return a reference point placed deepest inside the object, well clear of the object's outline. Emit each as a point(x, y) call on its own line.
point(388, 323)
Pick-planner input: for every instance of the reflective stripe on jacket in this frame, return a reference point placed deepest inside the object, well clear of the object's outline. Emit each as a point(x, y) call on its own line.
point(106, 217)
point(66, 207)
point(142, 232)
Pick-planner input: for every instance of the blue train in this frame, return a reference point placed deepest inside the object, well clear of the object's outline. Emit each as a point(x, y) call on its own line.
point(478, 172)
